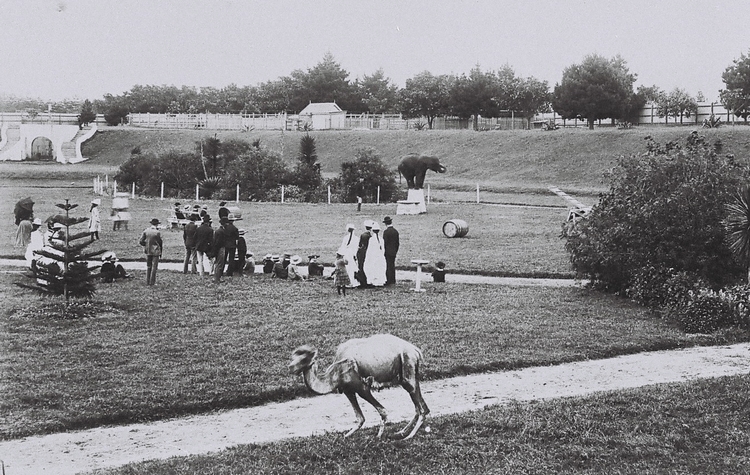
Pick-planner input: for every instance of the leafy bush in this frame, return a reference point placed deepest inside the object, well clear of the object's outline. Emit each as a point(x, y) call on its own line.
point(705, 312)
point(178, 171)
point(363, 176)
point(260, 173)
point(664, 210)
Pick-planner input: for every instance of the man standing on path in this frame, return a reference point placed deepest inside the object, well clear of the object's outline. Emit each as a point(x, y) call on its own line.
point(220, 250)
point(152, 246)
point(233, 234)
point(364, 241)
point(390, 241)
point(204, 240)
point(188, 237)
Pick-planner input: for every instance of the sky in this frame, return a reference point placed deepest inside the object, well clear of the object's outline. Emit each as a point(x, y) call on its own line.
point(83, 49)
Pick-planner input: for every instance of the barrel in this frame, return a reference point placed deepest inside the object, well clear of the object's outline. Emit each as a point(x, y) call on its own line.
point(455, 228)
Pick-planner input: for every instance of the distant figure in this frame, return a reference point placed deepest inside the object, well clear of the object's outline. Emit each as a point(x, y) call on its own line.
point(268, 264)
point(349, 247)
point(249, 263)
point(189, 238)
point(152, 247)
point(241, 252)
point(374, 266)
point(111, 270)
point(438, 275)
point(314, 268)
point(36, 241)
point(279, 270)
point(359, 204)
point(391, 244)
point(204, 241)
point(292, 269)
point(364, 241)
point(223, 210)
point(95, 221)
point(178, 212)
point(23, 233)
point(340, 273)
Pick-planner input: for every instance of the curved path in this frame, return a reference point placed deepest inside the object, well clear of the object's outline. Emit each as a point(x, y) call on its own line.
point(73, 452)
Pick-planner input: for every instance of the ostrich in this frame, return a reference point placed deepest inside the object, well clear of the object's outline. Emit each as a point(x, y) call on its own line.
point(362, 364)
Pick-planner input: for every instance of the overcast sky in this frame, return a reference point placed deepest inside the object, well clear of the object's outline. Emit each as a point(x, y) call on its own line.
point(55, 49)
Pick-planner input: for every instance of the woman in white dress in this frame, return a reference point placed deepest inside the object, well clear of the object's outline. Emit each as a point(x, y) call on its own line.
point(95, 222)
point(349, 245)
point(375, 259)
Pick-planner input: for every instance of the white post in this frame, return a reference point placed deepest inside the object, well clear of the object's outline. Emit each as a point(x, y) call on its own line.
point(378, 200)
point(428, 194)
point(282, 193)
point(95, 190)
point(162, 190)
point(238, 193)
point(132, 195)
point(477, 193)
point(197, 192)
point(114, 187)
point(106, 182)
point(329, 194)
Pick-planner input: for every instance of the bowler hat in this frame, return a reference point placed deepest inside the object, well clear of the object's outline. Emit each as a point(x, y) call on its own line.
point(387, 220)
point(155, 221)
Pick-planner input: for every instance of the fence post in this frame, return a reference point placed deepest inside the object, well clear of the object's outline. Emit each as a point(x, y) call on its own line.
point(378, 199)
point(282, 194)
point(162, 190)
point(237, 200)
point(95, 190)
point(329, 194)
point(477, 193)
point(114, 188)
point(197, 191)
point(132, 195)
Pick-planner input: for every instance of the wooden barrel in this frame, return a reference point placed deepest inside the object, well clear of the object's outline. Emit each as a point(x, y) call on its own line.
point(455, 228)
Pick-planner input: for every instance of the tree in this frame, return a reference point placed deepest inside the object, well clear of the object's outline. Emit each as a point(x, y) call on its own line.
point(531, 97)
point(307, 172)
point(64, 271)
point(259, 172)
point(736, 97)
point(677, 103)
point(87, 114)
point(363, 176)
point(378, 94)
point(475, 95)
point(598, 88)
point(426, 95)
point(325, 82)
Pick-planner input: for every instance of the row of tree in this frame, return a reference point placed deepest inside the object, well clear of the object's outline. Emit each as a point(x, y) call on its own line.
point(597, 88)
point(219, 167)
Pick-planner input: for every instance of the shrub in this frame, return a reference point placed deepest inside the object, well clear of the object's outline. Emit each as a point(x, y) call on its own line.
point(664, 210)
point(705, 312)
point(363, 176)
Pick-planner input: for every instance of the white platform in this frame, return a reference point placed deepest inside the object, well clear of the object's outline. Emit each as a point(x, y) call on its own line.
point(413, 204)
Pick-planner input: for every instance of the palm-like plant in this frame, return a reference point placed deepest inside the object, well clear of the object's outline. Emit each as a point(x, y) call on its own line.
point(737, 225)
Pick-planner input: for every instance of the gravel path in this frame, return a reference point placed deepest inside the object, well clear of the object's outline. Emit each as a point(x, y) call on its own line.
point(69, 453)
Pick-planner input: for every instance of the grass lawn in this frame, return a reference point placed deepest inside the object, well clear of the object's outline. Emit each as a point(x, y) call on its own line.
point(186, 346)
point(697, 427)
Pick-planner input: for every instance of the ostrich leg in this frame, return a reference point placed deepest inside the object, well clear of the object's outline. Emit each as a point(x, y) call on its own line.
point(360, 417)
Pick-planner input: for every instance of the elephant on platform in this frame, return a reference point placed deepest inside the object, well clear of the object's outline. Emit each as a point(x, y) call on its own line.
point(414, 168)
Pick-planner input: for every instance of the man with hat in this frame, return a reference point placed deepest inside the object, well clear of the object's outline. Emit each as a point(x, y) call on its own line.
point(233, 235)
point(188, 237)
point(390, 242)
point(153, 247)
point(204, 239)
point(219, 249)
point(239, 262)
point(364, 241)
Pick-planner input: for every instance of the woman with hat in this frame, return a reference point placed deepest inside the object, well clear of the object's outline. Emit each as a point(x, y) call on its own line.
point(36, 241)
point(375, 258)
point(95, 222)
point(152, 247)
point(292, 270)
point(349, 246)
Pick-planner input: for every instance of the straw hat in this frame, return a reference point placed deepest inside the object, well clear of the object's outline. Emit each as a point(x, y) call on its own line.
point(37, 222)
point(96, 201)
point(109, 256)
point(350, 227)
point(241, 232)
point(295, 259)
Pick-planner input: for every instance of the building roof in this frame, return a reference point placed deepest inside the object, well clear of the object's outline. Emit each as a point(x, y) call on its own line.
point(321, 108)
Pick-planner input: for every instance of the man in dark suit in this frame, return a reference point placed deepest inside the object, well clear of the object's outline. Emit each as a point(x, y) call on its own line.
point(152, 247)
point(390, 243)
point(364, 241)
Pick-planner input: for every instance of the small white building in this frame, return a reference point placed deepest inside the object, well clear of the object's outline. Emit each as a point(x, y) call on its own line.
point(323, 116)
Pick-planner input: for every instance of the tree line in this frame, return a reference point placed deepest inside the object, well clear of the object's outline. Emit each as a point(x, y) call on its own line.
point(595, 89)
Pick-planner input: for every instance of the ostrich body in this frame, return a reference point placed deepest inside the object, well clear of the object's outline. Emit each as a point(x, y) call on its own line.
point(364, 364)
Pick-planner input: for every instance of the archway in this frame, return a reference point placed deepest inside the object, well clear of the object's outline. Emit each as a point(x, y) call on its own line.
point(42, 149)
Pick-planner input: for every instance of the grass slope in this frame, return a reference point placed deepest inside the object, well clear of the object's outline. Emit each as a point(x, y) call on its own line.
point(575, 159)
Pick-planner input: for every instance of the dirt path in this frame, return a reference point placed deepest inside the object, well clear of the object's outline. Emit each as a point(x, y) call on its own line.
point(69, 453)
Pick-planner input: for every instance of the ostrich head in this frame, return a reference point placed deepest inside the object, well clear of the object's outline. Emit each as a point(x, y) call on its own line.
point(302, 358)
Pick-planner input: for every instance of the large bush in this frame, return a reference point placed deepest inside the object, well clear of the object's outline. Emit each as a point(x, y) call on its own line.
point(363, 176)
point(260, 174)
point(178, 171)
point(662, 216)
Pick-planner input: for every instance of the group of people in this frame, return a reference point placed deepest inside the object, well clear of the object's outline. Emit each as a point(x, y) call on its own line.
point(218, 252)
point(367, 260)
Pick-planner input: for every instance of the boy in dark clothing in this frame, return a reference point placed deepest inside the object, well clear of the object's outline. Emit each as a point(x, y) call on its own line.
point(241, 252)
point(438, 275)
point(233, 234)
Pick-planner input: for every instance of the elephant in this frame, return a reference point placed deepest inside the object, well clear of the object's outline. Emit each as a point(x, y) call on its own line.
point(414, 168)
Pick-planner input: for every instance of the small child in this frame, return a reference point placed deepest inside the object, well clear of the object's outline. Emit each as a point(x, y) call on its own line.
point(249, 263)
point(340, 275)
point(438, 275)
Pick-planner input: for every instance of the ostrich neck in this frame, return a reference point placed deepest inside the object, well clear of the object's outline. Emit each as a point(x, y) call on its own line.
point(317, 384)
